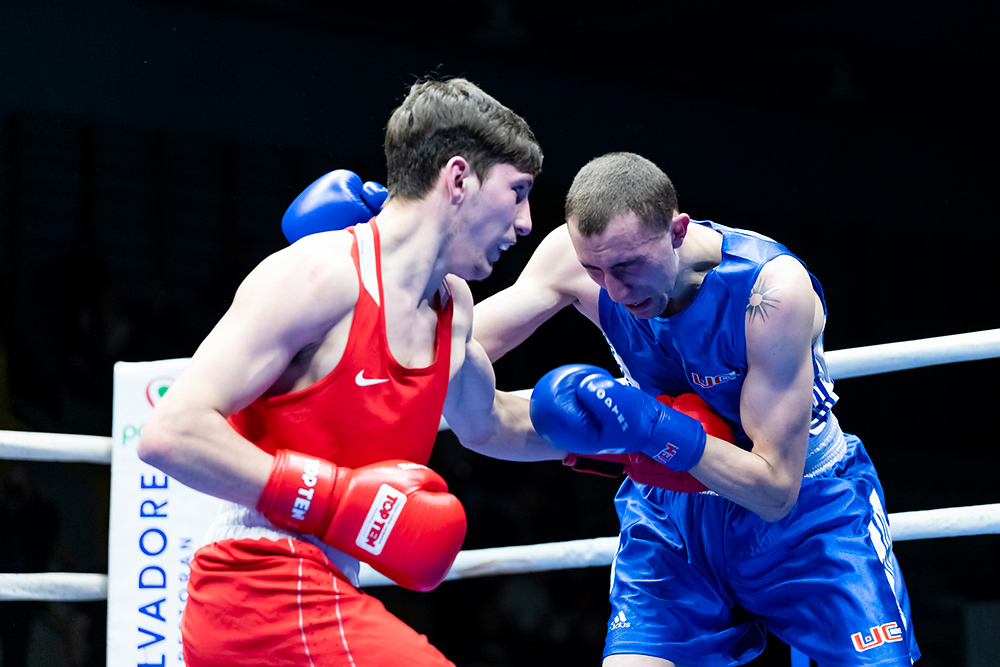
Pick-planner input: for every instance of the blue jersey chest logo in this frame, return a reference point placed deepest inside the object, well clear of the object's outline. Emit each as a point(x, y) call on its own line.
point(709, 381)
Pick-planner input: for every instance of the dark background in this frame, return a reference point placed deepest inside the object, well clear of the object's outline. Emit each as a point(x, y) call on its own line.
point(149, 150)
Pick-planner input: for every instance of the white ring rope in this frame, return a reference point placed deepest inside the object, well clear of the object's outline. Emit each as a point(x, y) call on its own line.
point(925, 524)
point(852, 362)
point(918, 525)
point(54, 586)
point(875, 359)
point(28, 446)
point(597, 552)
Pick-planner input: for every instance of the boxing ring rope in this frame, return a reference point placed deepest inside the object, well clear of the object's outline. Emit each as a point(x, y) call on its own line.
point(855, 362)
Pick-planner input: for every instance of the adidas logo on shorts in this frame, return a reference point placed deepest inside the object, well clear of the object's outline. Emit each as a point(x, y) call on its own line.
point(619, 622)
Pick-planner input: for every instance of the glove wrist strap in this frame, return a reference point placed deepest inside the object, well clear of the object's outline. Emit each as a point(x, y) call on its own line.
point(298, 492)
point(685, 442)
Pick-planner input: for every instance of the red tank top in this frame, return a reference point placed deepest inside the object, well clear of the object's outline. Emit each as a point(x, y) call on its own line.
point(369, 408)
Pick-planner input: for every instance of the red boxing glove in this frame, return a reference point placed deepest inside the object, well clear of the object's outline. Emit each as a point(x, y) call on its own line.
point(605, 465)
point(695, 406)
point(643, 469)
point(397, 516)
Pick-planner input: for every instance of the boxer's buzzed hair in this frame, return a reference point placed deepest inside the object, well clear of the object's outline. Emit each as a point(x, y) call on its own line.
point(618, 183)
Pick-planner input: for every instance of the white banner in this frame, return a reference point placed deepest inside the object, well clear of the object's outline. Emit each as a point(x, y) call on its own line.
point(156, 525)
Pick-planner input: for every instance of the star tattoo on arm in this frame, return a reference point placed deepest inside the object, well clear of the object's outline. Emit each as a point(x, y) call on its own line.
point(761, 299)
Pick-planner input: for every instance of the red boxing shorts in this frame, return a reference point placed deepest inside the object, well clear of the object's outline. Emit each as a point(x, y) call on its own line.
point(265, 603)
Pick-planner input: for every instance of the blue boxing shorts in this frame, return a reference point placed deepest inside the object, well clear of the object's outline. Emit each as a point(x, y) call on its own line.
point(698, 579)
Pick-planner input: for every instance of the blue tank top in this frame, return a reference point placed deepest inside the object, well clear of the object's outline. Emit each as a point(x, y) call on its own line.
point(703, 347)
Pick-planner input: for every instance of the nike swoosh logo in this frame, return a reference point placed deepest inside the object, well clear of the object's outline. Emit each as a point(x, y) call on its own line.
point(362, 381)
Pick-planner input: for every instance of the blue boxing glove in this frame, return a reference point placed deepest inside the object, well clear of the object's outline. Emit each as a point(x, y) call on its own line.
point(584, 410)
point(336, 200)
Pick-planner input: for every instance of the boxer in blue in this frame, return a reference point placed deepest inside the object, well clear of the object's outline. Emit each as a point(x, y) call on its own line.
point(785, 529)
point(780, 527)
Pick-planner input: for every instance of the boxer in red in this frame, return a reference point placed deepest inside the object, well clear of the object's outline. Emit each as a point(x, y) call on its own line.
point(312, 406)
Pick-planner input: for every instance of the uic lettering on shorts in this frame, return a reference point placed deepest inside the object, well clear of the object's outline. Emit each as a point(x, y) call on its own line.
point(880, 634)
